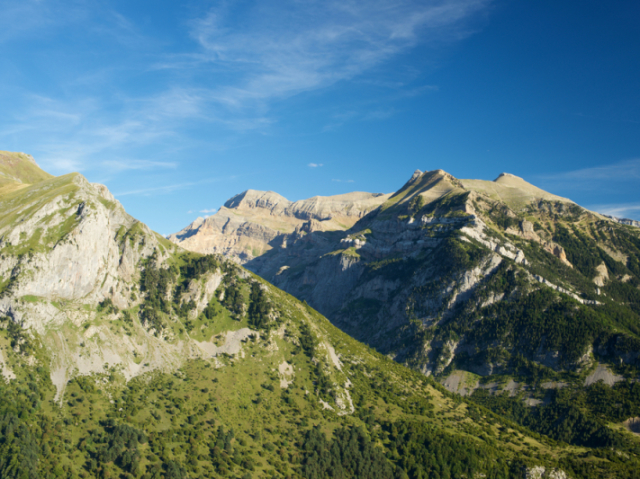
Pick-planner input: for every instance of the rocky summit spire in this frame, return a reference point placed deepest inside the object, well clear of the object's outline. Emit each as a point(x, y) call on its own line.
point(414, 177)
point(505, 175)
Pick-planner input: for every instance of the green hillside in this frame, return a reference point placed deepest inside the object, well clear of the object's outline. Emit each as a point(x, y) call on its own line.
point(18, 170)
point(245, 415)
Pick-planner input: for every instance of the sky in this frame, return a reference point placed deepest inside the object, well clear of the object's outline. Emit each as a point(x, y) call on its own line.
point(178, 106)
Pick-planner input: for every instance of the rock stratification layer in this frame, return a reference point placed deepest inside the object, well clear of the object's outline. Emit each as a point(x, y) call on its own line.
point(253, 222)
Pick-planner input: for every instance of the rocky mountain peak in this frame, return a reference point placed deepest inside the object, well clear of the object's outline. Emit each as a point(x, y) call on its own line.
point(198, 221)
point(256, 199)
point(440, 172)
point(506, 176)
point(513, 181)
point(415, 176)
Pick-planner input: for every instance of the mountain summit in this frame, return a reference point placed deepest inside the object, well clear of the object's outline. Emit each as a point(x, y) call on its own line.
point(254, 222)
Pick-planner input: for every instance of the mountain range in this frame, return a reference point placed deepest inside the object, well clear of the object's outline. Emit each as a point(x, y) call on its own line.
point(126, 355)
point(432, 255)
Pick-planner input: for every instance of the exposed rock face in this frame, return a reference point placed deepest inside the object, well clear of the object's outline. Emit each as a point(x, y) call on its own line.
point(558, 252)
point(604, 374)
point(602, 276)
point(526, 231)
point(253, 222)
point(633, 425)
point(201, 291)
point(539, 472)
point(79, 255)
point(624, 221)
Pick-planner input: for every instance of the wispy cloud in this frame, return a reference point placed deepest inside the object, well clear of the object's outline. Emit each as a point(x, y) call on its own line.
point(622, 210)
point(628, 170)
point(157, 190)
point(343, 181)
point(610, 179)
point(79, 135)
point(124, 165)
point(609, 189)
point(284, 48)
point(164, 189)
point(209, 211)
point(315, 165)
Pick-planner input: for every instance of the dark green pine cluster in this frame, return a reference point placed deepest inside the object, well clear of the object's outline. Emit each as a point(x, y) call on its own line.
point(157, 281)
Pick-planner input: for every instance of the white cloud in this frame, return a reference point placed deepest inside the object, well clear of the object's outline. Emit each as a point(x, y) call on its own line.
point(189, 212)
point(315, 165)
point(228, 79)
point(343, 181)
point(614, 180)
point(628, 170)
point(282, 48)
point(74, 134)
point(212, 210)
point(156, 189)
point(620, 210)
point(164, 189)
point(123, 165)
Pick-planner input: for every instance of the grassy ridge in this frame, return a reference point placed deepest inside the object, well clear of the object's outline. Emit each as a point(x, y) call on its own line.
point(19, 168)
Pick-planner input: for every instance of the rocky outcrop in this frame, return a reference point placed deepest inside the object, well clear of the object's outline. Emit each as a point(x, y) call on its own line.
point(602, 275)
point(200, 292)
point(80, 248)
point(527, 232)
point(604, 374)
point(563, 290)
point(633, 425)
point(476, 231)
point(540, 472)
point(624, 221)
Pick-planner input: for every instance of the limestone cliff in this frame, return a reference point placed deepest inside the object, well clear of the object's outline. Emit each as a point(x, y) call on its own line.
point(66, 246)
point(253, 222)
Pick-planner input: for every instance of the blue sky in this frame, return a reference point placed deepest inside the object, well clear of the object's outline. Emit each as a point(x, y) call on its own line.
point(177, 106)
